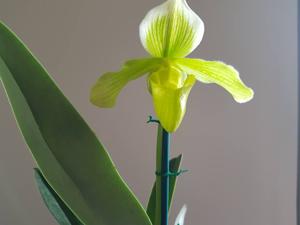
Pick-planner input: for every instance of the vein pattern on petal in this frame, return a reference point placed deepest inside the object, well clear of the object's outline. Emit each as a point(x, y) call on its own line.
point(107, 88)
point(219, 73)
point(171, 29)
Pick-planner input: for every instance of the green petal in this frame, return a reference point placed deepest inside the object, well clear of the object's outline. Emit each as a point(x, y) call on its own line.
point(180, 218)
point(218, 73)
point(170, 97)
point(171, 29)
point(107, 88)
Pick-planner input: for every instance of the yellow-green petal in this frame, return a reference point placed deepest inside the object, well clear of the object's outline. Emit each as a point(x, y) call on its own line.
point(171, 29)
point(170, 97)
point(107, 88)
point(219, 73)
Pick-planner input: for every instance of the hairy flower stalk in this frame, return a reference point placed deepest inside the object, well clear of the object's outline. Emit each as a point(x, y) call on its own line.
point(169, 32)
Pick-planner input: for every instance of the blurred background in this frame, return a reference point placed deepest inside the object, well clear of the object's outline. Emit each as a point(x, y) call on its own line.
point(241, 157)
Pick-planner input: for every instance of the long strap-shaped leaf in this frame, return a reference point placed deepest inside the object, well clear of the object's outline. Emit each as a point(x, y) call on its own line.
point(67, 152)
point(56, 206)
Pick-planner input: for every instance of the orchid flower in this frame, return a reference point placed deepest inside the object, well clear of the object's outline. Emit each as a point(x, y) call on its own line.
point(169, 32)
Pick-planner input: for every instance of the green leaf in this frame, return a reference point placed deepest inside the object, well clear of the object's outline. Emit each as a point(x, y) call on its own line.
point(174, 167)
point(66, 150)
point(56, 206)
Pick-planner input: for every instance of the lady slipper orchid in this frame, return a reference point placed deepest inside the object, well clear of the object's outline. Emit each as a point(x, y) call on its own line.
point(169, 32)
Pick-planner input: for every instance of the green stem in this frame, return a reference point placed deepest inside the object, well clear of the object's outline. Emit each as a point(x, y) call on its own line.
point(165, 177)
point(162, 178)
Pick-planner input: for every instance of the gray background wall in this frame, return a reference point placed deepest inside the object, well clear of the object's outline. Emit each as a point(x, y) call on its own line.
point(241, 158)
